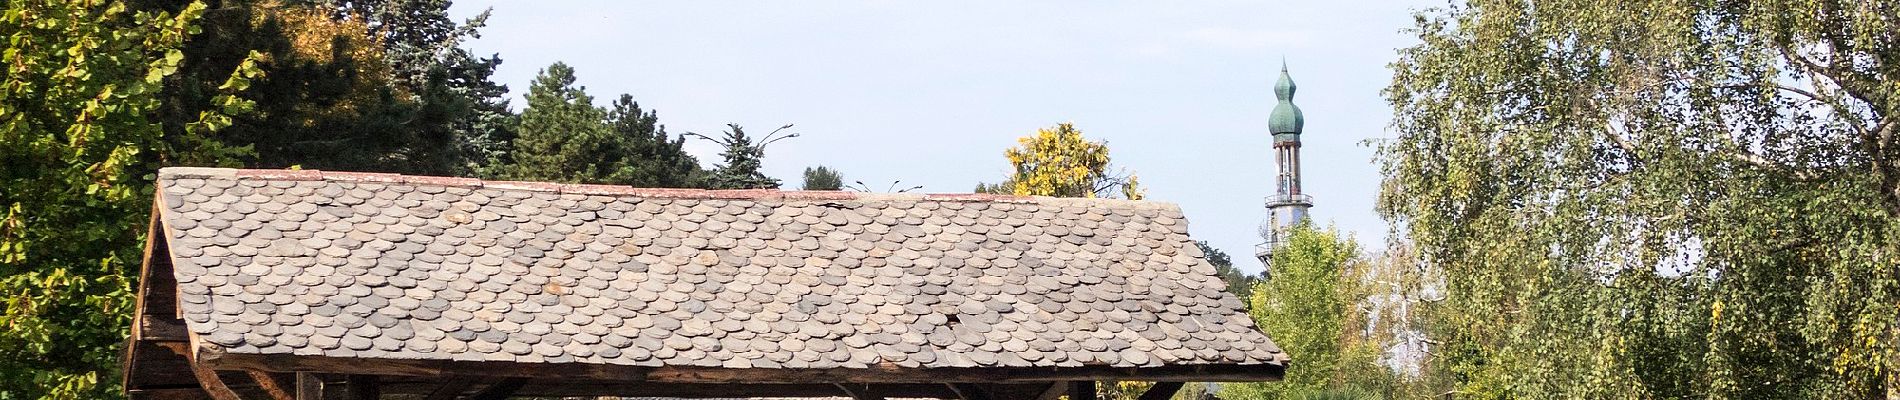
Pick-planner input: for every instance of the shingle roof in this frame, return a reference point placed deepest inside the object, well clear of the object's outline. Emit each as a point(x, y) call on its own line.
point(422, 268)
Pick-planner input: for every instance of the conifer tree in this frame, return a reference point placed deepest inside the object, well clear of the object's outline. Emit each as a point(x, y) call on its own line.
point(743, 159)
point(654, 158)
point(563, 136)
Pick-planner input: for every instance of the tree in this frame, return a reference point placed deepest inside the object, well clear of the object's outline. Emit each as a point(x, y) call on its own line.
point(656, 159)
point(78, 146)
point(564, 137)
point(345, 87)
point(823, 178)
point(1305, 309)
point(1238, 282)
point(1698, 203)
point(459, 102)
point(1058, 162)
point(743, 159)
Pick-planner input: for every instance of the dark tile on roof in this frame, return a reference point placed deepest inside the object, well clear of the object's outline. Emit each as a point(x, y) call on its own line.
point(391, 266)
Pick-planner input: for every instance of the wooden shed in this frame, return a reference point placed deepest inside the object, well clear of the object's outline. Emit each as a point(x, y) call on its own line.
point(276, 284)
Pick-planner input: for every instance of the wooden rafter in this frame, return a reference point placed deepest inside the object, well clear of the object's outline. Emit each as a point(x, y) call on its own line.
point(1161, 391)
point(212, 384)
point(274, 385)
point(450, 388)
point(967, 391)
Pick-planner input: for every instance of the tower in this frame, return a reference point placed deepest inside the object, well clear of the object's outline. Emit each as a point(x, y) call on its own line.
point(1288, 205)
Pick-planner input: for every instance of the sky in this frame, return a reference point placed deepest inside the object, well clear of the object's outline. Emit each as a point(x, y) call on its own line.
point(931, 93)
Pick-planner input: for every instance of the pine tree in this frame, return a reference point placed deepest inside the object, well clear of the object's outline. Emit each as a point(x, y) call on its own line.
point(743, 159)
point(563, 136)
point(655, 158)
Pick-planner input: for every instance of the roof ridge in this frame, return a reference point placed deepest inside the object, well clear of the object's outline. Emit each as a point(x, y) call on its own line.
point(622, 190)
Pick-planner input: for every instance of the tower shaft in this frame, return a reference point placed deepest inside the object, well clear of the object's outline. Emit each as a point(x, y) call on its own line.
point(1288, 205)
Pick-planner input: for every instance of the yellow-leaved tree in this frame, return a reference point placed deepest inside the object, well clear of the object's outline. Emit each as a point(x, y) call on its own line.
point(1058, 162)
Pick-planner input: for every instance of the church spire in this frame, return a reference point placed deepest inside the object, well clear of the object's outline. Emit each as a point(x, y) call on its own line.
point(1287, 205)
point(1286, 117)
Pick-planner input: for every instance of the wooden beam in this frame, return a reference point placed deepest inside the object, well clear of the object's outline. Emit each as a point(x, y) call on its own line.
point(967, 391)
point(276, 386)
point(857, 392)
point(1054, 392)
point(683, 374)
point(161, 328)
point(500, 389)
point(212, 384)
point(361, 387)
point(182, 393)
point(591, 389)
point(450, 388)
point(1161, 391)
point(1082, 390)
point(309, 386)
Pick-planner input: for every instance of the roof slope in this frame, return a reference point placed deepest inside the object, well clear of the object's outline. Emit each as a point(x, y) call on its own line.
point(422, 268)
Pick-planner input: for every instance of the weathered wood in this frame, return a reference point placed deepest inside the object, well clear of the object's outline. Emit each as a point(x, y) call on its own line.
point(880, 374)
point(158, 365)
point(309, 386)
point(551, 388)
point(1161, 391)
point(450, 388)
point(1054, 391)
point(967, 391)
point(361, 387)
point(858, 391)
point(1082, 390)
point(160, 328)
point(276, 386)
point(212, 384)
point(181, 393)
point(500, 389)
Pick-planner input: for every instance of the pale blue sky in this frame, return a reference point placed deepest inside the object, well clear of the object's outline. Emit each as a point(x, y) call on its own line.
point(931, 93)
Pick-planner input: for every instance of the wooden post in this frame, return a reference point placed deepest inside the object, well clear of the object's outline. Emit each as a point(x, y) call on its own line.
point(309, 386)
point(1082, 390)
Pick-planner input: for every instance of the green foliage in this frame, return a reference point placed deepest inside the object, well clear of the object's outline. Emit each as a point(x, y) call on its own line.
point(1238, 282)
point(1330, 394)
point(823, 178)
point(461, 112)
point(1305, 309)
point(654, 158)
point(743, 159)
point(1696, 203)
point(1058, 162)
point(77, 151)
point(339, 91)
point(564, 137)
point(993, 188)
